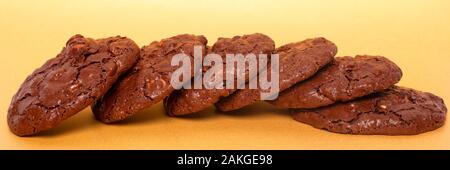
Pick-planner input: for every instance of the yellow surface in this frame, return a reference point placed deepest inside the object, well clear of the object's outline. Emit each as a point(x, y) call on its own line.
point(413, 33)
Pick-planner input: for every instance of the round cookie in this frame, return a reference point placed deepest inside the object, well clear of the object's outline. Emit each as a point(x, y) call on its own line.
point(395, 111)
point(297, 62)
point(149, 80)
point(83, 71)
point(345, 79)
point(187, 101)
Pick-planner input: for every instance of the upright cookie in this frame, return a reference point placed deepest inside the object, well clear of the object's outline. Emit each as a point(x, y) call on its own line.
point(149, 81)
point(395, 111)
point(298, 61)
point(187, 101)
point(83, 71)
point(345, 79)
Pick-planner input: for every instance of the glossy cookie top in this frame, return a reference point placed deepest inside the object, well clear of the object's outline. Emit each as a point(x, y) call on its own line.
point(345, 79)
point(149, 81)
point(83, 71)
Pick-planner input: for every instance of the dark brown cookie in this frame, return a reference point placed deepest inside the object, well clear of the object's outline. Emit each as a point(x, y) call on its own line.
point(187, 101)
point(395, 111)
point(83, 71)
point(345, 79)
point(298, 61)
point(149, 81)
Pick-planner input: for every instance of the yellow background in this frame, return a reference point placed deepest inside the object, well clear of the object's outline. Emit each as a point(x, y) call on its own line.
point(413, 33)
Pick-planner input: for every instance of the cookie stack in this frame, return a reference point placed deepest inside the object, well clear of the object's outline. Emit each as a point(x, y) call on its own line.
point(354, 95)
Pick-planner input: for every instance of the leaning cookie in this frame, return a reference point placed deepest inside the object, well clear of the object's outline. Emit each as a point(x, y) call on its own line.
point(188, 101)
point(297, 62)
point(83, 72)
point(345, 79)
point(395, 111)
point(149, 81)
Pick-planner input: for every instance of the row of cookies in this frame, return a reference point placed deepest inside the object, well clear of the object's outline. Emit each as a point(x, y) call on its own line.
point(356, 95)
point(112, 75)
point(118, 79)
point(352, 95)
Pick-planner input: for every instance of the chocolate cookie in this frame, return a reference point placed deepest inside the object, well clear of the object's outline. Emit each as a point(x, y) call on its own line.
point(298, 61)
point(83, 71)
point(345, 79)
point(187, 101)
point(149, 81)
point(395, 111)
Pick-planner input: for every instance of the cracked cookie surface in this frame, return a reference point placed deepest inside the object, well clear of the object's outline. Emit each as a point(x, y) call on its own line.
point(395, 111)
point(345, 79)
point(83, 71)
point(187, 101)
point(148, 82)
point(297, 62)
